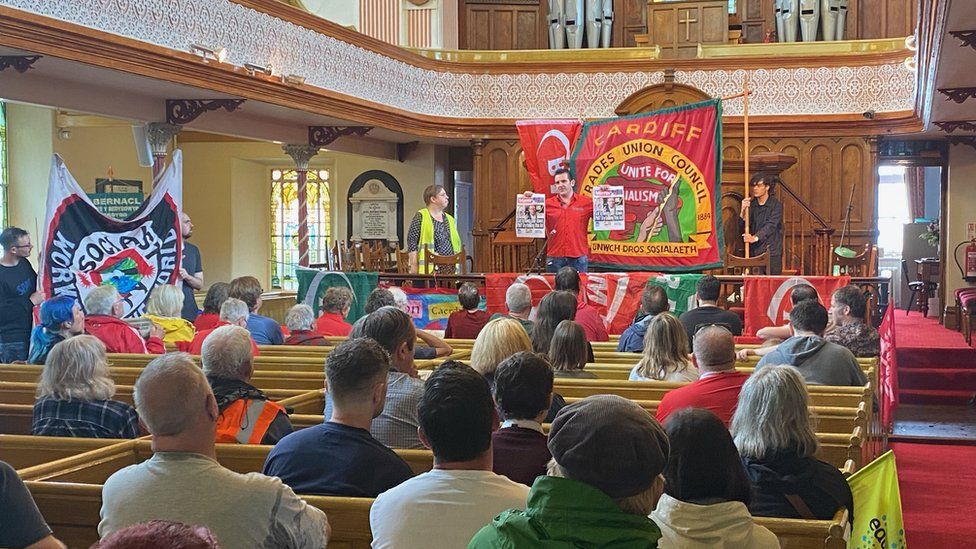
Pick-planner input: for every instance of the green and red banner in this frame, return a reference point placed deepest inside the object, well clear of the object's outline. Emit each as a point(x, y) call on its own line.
point(669, 163)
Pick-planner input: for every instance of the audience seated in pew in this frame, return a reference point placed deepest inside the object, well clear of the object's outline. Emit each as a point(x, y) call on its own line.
point(74, 395)
point(210, 317)
point(335, 306)
point(569, 351)
point(299, 321)
point(104, 306)
point(233, 312)
point(818, 360)
point(340, 457)
point(554, 308)
point(264, 330)
point(707, 291)
point(518, 301)
point(21, 524)
point(706, 490)
point(776, 334)
point(523, 395)
point(665, 355)
point(379, 297)
point(568, 279)
point(654, 301)
point(61, 317)
point(163, 308)
point(164, 534)
point(717, 390)
point(393, 329)
point(433, 347)
point(447, 505)
point(467, 322)
point(500, 339)
point(583, 502)
point(772, 430)
point(246, 414)
point(848, 308)
point(183, 482)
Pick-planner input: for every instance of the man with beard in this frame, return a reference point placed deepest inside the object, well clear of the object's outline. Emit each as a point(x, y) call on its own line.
point(191, 270)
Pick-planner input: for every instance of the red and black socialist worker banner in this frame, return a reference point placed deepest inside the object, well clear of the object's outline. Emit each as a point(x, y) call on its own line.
point(547, 145)
point(669, 163)
point(84, 249)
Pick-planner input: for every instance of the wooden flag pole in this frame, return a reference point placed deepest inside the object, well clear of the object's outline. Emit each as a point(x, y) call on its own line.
point(745, 150)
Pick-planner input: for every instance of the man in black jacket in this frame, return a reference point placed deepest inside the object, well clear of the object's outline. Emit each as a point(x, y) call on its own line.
point(765, 221)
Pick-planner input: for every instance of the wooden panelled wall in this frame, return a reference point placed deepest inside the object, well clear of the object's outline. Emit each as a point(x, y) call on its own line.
point(521, 24)
point(826, 170)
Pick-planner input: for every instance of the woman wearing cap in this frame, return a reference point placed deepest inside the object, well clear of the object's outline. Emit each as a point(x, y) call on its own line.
point(706, 490)
point(582, 502)
point(665, 352)
point(61, 318)
point(773, 432)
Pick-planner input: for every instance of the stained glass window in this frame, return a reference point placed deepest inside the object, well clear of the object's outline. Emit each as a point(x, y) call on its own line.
point(284, 223)
point(3, 165)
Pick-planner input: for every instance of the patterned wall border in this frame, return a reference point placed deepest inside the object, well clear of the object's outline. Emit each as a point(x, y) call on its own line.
point(331, 64)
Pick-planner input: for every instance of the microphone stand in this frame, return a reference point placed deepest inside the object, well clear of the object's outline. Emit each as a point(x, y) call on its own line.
point(537, 264)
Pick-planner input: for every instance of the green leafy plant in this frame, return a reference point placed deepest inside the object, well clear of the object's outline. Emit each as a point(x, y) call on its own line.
point(931, 234)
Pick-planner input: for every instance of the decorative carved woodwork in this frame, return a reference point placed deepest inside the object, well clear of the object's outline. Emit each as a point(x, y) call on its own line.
point(678, 27)
point(405, 149)
point(184, 111)
point(959, 95)
point(659, 96)
point(503, 25)
point(629, 20)
point(323, 136)
point(20, 63)
point(962, 140)
point(950, 126)
point(967, 37)
point(160, 135)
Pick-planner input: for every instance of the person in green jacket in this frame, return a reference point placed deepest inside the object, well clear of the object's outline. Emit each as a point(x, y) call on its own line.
point(603, 481)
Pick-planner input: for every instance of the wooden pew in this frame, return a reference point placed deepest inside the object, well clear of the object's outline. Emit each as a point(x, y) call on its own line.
point(21, 451)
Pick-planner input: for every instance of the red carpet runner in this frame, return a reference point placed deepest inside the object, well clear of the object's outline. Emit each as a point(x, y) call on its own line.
point(934, 364)
point(937, 484)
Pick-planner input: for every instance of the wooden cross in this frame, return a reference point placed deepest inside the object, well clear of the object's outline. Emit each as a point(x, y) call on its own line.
point(687, 23)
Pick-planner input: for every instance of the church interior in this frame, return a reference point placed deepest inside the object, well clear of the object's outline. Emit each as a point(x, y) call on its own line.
point(308, 132)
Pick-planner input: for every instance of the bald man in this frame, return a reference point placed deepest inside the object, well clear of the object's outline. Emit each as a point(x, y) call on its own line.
point(719, 383)
point(183, 482)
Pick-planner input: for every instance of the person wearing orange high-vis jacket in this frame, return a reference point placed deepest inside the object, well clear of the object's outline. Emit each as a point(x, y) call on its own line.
point(432, 226)
point(246, 414)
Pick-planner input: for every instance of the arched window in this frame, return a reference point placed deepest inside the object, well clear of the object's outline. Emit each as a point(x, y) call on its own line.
point(284, 223)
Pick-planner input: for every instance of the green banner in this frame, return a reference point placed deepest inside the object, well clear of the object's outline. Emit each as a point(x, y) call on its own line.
point(312, 284)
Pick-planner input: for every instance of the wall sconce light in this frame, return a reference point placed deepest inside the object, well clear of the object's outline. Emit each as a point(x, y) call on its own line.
point(910, 43)
point(293, 79)
point(910, 64)
point(218, 54)
point(254, 69)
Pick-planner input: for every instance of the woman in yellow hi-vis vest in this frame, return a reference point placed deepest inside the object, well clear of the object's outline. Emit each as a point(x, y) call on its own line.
point(434, 227)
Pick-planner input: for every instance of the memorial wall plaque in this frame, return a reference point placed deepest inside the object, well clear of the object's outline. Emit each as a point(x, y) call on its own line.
point(374, 210)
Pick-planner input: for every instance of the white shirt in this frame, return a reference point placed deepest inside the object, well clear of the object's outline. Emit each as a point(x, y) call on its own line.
point(441, 508)
point(251, 510)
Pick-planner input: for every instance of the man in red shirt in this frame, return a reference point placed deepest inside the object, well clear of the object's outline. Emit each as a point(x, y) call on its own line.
point(568, 216)
point(468, 322)
point(568, 279)
point(717, 390)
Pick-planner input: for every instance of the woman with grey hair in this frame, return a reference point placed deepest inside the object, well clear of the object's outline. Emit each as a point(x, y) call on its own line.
point(74, 395)
point(163, 308)
point(772, 430)
point(299, 322)
point(335, 306)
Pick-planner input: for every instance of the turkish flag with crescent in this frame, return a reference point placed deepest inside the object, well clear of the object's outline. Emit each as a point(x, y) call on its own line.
point(767, 298)
point(547, 145)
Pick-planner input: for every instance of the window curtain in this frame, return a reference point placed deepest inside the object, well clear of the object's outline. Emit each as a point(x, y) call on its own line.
point(915, 185)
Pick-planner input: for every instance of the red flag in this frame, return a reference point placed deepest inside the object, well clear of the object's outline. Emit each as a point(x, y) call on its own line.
point(767, 298)
point(888, 368)
point(547, 145)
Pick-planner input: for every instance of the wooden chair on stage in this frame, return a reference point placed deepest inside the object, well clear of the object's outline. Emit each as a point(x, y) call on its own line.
point(863, 264)
point(402, 261)
point(736, 265)
point(338, 255)
point(375, 257)
point(445, 264)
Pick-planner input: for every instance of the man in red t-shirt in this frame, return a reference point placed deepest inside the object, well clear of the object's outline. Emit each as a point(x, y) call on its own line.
point(468, 322)
point(568, 279)
point(568, 216)
point(717, 390)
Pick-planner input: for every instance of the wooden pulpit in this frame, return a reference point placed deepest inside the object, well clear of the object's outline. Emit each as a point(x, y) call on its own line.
point(678, 27)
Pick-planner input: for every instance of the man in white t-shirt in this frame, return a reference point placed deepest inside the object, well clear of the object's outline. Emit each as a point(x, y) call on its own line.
point(182, 481)
point(446, 506)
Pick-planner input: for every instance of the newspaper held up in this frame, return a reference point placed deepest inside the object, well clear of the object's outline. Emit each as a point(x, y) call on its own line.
point(608, 208)
point(530, 216)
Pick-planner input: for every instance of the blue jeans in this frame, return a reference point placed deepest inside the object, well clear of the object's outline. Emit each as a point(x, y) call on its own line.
point(553, 264)
point(11, 352)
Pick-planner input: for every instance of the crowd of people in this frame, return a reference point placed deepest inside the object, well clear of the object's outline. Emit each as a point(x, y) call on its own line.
point(724, 447)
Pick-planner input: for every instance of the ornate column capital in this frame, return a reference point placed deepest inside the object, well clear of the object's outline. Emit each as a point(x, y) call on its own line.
point(160, 134)
point(301, 154)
